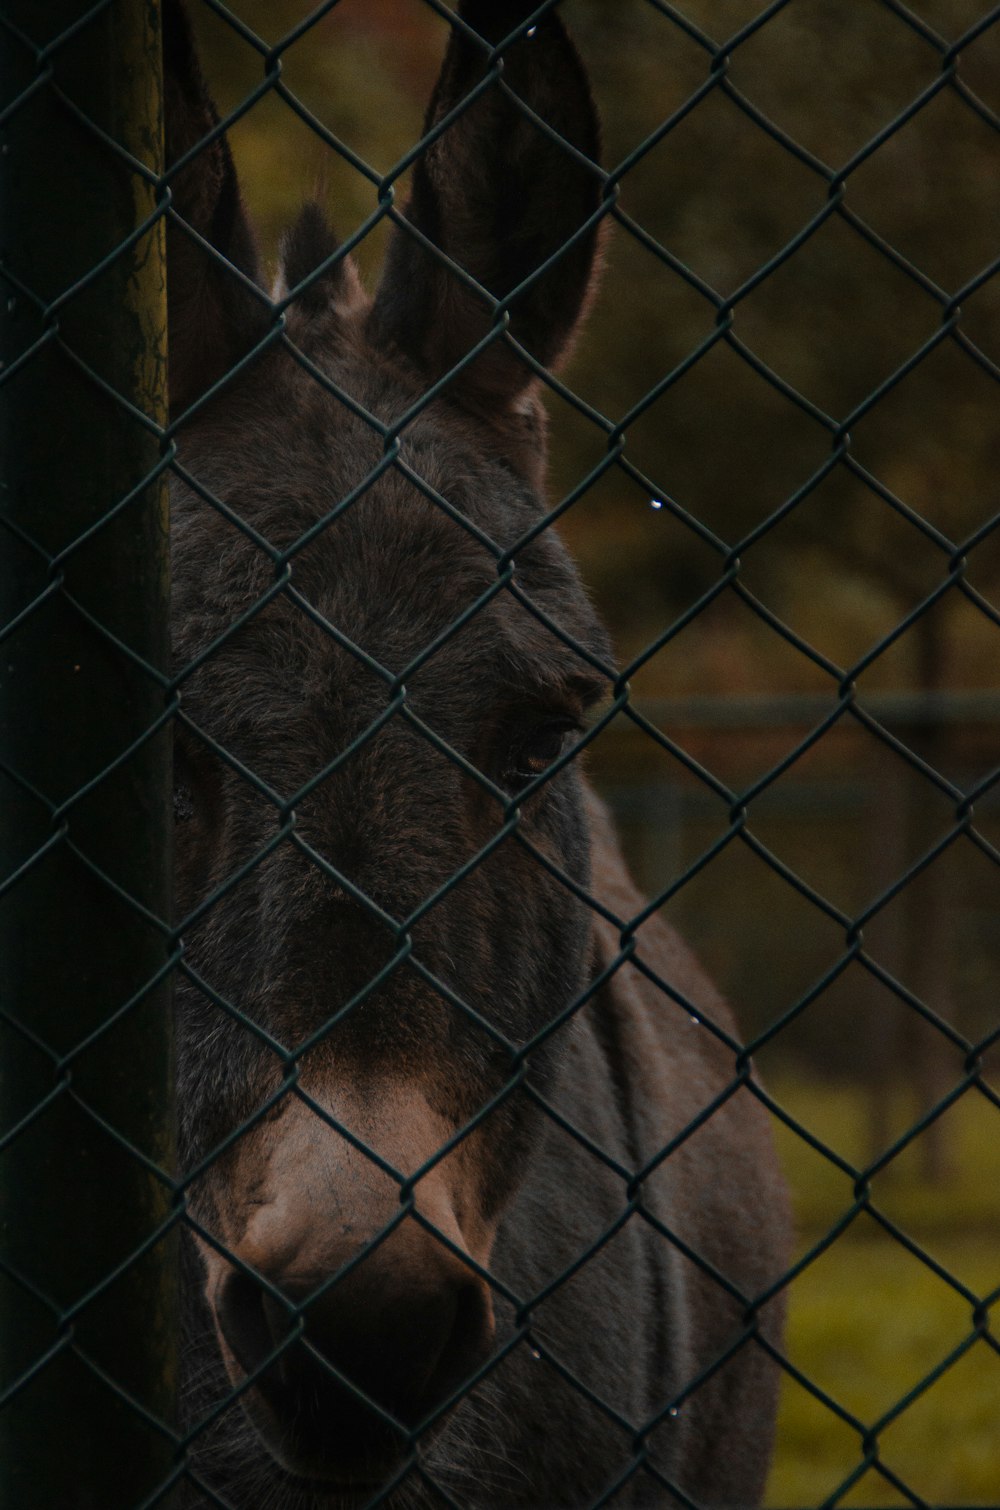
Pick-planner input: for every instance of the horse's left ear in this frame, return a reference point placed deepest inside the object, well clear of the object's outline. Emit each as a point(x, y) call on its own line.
point(500, 193)
point(214, 319)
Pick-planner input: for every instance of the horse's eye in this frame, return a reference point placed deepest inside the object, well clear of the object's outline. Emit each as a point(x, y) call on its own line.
point(534, 753)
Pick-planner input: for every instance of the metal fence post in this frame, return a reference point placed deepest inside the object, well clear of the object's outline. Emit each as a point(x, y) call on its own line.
point(87, 1296)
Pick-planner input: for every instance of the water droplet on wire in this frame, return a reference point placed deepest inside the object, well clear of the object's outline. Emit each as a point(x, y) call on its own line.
point(530, 33)
point(656, 503)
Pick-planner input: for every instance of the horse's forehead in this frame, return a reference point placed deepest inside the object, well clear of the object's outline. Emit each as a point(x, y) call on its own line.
point(328, 574)
point(353, 548)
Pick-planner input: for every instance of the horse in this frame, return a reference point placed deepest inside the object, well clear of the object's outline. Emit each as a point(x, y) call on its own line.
point(483, 1209)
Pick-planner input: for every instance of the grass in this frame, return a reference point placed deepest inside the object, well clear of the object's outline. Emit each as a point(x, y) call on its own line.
point(886, 1334)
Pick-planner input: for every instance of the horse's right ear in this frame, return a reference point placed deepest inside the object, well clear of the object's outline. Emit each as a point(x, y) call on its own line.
point(506, 193)
point(214, 318)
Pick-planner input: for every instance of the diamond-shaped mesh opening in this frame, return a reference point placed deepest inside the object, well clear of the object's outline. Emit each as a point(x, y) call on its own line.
point(474, 1200)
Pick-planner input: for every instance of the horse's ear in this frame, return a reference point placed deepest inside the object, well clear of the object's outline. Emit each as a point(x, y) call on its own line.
point(500, 195)
point(309, 263)
point(214, 318)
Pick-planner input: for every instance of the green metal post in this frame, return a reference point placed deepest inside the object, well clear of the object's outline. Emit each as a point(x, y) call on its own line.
point(87, 1280)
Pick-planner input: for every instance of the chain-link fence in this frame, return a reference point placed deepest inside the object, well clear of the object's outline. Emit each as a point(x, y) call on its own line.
point(466, 1194)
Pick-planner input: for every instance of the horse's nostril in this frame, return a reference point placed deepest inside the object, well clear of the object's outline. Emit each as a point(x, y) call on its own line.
point(466, 1347)
point(381, 1346)
point(248, 1323)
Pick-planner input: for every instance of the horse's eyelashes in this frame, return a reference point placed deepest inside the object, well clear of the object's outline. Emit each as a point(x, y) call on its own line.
point(531, 756)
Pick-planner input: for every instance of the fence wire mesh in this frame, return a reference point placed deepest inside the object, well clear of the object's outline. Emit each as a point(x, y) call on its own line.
point(926, 800)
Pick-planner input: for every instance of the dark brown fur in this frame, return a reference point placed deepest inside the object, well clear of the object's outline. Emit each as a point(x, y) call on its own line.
point(295, 617)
